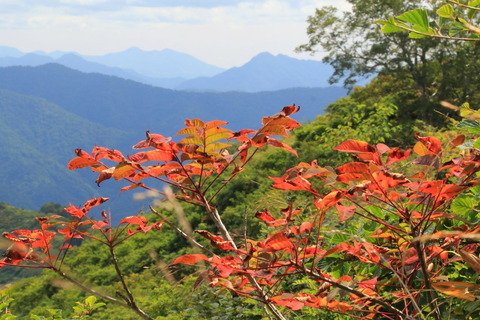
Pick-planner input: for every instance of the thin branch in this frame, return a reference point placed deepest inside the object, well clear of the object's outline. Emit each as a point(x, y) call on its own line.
point(181, 232)
point(131, 300)
point(440, 36)
point(100, 294)
point(463, 5)
point(467, 25)
point(431, 293)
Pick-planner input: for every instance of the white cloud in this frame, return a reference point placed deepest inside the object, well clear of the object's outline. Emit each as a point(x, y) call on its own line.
point(225, 33)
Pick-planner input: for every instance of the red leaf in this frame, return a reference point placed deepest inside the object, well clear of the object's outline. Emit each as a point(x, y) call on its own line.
point(306, 226)
point(290, 303)
point(370, 284)
point(458, 140)
point(276, 143)
point(277, 241)
point(132, 186)
point(105, 153)
point(99, 224)
point(286, 111)
point(190, 259)
point(138, 220)
point(382, 148)
point(395, 155)
point(328, 201)
point(345, 212)
point(265, 216)
point(104, 175)
point(123, 170)
point(151, 141)
point(216, 241)
point(298, 183)
point(93, 203)
point(152, 155)
point(75, 212)
point(432, 145)
point(355, 146)
point(79, 162)
point(353, 167)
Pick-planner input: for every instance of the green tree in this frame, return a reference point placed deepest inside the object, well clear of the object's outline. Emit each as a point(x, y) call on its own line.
point(356, 47)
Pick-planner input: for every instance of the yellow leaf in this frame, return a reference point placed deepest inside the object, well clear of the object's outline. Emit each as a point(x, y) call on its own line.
point(123, 170)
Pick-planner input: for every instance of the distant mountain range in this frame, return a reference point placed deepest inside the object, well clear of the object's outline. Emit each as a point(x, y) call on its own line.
point(49, 110)
point(175, 70)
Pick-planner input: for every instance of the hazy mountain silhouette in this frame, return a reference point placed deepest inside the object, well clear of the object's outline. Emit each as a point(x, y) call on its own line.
point(158, 64)
point(265, 72)
point(172, 69)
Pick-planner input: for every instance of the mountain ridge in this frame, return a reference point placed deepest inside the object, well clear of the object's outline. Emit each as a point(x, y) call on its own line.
point(264, 72)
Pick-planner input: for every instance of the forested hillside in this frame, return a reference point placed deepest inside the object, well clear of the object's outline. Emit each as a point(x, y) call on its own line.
point(38, 139)
point(82, 110)
point(134, 107)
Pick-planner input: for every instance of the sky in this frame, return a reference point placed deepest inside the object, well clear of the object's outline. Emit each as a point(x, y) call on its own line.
point(223, 33)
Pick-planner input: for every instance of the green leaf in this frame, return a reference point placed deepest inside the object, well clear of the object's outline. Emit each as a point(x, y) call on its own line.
point(462, 205)
point(471, 13)
point(445, 11)
point(472, 125)
point(90, 301)
point(415, 35)
point(415, 17)
point(390, 28)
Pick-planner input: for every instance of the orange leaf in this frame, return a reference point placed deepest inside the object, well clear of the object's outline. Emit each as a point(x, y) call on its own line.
point(276, 143)
point(277, 241)
point(286, 111)
point(80, 162)
point(123, 170)
point(328, 201)
point(190, 259)
point(457, 289)
point(214, 123)
point(471, 259)
point(141, 221)
point(355, 146)
point(395, 155)
point(152, 155)
point(458, 140)
point(432, 144)
point(345, 212)
point(132, 186)
point(216, 241)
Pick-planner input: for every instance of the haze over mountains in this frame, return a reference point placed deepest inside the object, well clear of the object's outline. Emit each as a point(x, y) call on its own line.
point(175, 70)
point(49, 109)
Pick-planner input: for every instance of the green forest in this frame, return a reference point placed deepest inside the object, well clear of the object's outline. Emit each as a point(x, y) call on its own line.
point(371, 211)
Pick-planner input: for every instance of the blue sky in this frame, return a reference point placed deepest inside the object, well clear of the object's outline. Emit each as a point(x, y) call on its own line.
point(224, 33)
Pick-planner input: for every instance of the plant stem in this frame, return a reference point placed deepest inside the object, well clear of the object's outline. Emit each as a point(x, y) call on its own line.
point(130, 299)
point(432, 299)
point(101, 295)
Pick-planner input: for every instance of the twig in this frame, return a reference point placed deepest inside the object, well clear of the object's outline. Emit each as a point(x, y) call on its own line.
point(181, 232)
point(102, 295)
point(131, 300)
